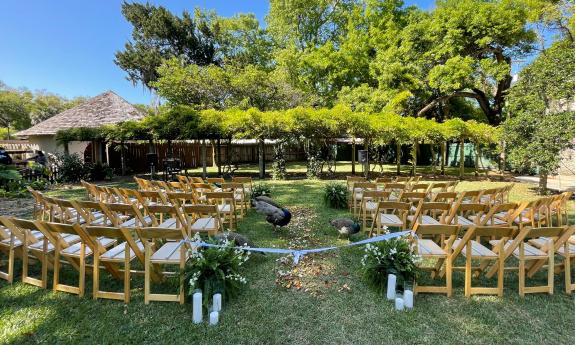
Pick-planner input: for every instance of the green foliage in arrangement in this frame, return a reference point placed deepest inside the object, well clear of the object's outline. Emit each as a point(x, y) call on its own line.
point(216, 270)
point(335, 195)
point(261, 189)
point(395, 256)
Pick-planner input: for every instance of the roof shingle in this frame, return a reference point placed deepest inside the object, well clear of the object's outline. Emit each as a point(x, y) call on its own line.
point(104, 109)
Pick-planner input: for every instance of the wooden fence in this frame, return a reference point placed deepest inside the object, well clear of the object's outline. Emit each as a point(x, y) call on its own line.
point(189, 152)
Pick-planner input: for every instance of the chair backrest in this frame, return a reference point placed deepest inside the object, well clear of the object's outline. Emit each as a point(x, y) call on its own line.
point(437, 210)
point(21, 229)
point(87, 209)
point(150, 233)
point(92, 191)
point(381, 180)
point(246, 181)
point(360, 186)
point(450, 186)
point(466, 210)
point(351, 180)
point(510, 211)
point(471, 196)
point(158, 213)
point(182, 198)
point(412, 197)
point(401, 179)
point(478, 232)
point(116, 213)
point(437, 187)
point(221, 198)
point(420, 187)
point(67, 212)
point(375, 195)
point(214, 180)
point(449, 197)
point(146, 197)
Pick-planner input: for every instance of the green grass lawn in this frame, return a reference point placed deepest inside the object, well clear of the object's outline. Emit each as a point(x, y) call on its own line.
point(332, 306)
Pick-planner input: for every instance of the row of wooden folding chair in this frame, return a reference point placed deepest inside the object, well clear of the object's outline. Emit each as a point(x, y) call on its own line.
point(532, 247)
point(109, 246)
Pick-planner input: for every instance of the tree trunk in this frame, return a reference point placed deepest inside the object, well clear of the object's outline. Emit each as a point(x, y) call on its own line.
point(398, 159)
point(443, 149)
point(542, 183)
point(433, 160)
point(122, 158)
point(204, 160)
point(476, 147)
point(462, 157)
point(366, 165)
point(503, 157)
point(219, 156)
point(262, 157)
point(353, 157)
point(414, 147)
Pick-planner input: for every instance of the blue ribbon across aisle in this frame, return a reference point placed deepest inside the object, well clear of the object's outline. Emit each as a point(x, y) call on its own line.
point(299, 253)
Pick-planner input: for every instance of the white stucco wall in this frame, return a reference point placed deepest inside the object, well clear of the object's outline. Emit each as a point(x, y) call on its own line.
point(46, 143)
point(78, 147)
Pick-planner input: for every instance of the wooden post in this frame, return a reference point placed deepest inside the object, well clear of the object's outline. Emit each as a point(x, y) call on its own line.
point(219, 157)
point(353, 156)
point(433, 160)
point(122, 159)
point(204, 160)
point(398, 158)
point(262, 159)
point(414, 148)
point(476, 147)
point(366, 165)
point(462, 157)
point(443, 156)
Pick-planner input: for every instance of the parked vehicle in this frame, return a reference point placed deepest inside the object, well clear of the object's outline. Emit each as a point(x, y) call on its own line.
point(5, 157)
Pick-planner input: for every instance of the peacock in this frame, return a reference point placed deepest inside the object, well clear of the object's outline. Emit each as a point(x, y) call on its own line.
point(345, 226)
point(238, 239)
point(275, 214)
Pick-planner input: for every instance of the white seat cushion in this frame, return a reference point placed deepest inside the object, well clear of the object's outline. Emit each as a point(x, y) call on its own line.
point(168, 253)
point(530, 251)
point(169, 223)
point(118, 252)
point(390, 219)
point(477, 250)
point(429, 248)
point(464, 222)
point(203, 224)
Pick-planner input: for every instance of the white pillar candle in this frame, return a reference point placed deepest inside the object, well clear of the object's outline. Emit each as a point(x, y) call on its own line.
point(399, 303)
point(197, 307)
point(408, 299)
point(214, 318)
point(391, 279)
point(217, 306)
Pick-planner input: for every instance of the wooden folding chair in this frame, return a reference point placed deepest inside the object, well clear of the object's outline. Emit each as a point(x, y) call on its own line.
point(248, 186)
point(171, 253)
point(429, 249)
point(202, 219)
point(90, 212)
point(466, 215)
point(390, 214)
point(357, 195)
point(40, 210)
point(369, 202)
point(165, 216)
point(396, 189)
point(419, 187)
point(201, 189)
point(182, 198)
point(471, 248)
point(239, 195)
point(91, 189)
point(76, 254)
point(125, 253)
point(38, 242)
point(449, 197)
point(429, 213)
point(217, 181)
point(125, 215)
point(562, 247)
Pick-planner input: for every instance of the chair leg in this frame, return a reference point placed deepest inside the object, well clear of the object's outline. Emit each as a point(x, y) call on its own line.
point(500, 275)
point(448, 276)
point(551, 270)
point(521, 277)
point(96, 277)
point(81, 286)
point(468, 271)
point(147, 275)
point(127, 276)
point(568, 287)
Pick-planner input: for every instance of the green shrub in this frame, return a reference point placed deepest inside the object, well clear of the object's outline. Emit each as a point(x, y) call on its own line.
point(215, 270)
point(8, 174)
point(394, 256)
point(335, 195)
point(99, 172)
point(261, 189)
point(41, 184)
point(72, 168)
